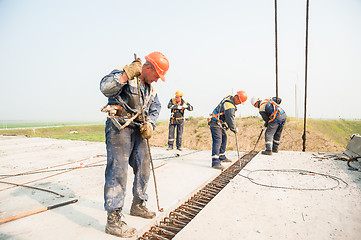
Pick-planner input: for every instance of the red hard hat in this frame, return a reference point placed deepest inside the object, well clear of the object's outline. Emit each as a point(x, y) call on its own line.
point(242, 96)
point(160, 63)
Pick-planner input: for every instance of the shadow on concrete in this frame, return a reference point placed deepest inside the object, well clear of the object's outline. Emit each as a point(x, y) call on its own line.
point(4, 236)
point(71, 211)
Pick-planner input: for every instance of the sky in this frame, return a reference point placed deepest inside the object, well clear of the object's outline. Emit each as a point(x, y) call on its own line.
point(53, 54)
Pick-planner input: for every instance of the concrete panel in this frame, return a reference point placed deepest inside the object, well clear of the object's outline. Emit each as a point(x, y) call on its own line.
point(353, 147)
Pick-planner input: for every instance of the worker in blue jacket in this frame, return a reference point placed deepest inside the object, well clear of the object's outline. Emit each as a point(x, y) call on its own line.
point(177, 105)
point(275, 118)
point(128, 90)
point(221, 119)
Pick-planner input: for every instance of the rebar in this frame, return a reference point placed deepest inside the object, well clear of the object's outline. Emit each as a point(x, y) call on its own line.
point(181, 216)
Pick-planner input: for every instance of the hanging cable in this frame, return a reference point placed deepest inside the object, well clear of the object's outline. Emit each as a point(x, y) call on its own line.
point(306, 62)
point(276, 49)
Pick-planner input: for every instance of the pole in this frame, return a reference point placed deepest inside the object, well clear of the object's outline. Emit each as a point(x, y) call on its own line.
point(36, 211)
point(306, 62)
point(235, 134)
point(155, 181)
point(147, 140)
point(276, 49)
point(259, 137)
point(296, 104)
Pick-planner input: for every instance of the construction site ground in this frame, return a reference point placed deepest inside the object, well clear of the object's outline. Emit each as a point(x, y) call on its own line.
point(289, 195)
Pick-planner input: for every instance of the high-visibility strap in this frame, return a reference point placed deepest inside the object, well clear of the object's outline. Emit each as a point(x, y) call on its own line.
point(276, 110)
point(215, 114)
point(177, 118)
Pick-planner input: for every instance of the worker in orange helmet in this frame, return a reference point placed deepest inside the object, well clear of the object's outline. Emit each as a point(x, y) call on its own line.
point(221, 119)
point(177, 105)
point(125, 134)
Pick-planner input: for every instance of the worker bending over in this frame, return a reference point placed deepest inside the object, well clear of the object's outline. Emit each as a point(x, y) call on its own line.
point(128, 145)
point(177, 105)
point(275, 118)
point(222, 118)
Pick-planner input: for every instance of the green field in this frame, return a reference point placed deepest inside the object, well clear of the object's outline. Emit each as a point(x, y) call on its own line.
point(27, 124)
point(338, 131)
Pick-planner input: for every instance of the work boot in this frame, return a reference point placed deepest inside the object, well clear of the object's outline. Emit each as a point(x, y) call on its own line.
point(218, 166)
point(179, 148)
point(226, 160)
point(115, 226)
point(169, 148)
point(139, 209)
point(275, 150)
point(267, 152)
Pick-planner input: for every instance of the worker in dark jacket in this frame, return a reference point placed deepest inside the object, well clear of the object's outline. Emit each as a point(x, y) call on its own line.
point(177, 105)
point(220, 120)
point(275, 118)
point(129, 90)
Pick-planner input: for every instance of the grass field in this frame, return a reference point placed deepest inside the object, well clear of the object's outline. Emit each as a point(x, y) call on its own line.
point(336, 131)
point(27, 124)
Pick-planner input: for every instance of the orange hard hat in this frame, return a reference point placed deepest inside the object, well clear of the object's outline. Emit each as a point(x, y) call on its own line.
point(160, 63)
point(179, 93)
point(242, 96)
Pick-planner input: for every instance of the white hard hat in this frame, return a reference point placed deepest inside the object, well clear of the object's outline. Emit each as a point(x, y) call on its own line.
point(254, 100)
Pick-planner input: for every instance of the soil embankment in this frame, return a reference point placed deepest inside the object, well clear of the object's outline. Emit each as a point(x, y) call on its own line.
point(198, 136)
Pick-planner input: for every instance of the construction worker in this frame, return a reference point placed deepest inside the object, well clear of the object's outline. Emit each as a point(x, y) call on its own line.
point(221, 119)
point(177, 105)
point(275, 118)
point(128, 146)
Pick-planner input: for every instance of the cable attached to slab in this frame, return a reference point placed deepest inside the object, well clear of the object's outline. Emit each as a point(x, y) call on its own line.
point(300, 171)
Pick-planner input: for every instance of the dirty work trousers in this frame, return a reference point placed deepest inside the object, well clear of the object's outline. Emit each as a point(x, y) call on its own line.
point(219, 143)
point(124, 147)
point(273, 135)
point(172, 128)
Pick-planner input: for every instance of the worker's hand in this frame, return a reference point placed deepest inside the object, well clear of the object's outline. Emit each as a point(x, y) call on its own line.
point(179, 107)
point(110, 110)
point(235, 130)
point(224, 126)
point(134, 69)
point(146, 130)
point(264, 127)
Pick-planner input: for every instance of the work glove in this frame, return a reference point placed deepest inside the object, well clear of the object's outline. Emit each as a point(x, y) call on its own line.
point(235, 130)
point(110, 110)
point(264, 127)
point(134, 69)
point(146, 130)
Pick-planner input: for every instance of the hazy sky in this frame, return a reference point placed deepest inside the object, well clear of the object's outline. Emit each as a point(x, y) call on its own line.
point(53, 54)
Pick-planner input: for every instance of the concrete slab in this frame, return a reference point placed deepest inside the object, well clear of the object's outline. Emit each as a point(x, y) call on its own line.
point(245, 210)
point(75, 169)
point(353, 148)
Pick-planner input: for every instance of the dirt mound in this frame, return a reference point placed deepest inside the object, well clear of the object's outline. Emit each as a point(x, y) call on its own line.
point(197, 135)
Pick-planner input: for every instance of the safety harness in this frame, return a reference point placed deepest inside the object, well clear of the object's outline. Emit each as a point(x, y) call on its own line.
point(215, 115)
point(277, 110)
point(117, 111)
point(175, 111)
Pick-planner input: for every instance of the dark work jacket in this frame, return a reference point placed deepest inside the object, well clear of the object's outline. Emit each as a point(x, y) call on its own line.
point(126, 95)
point(224, 113)
point(177, 110)
point(271, 111)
